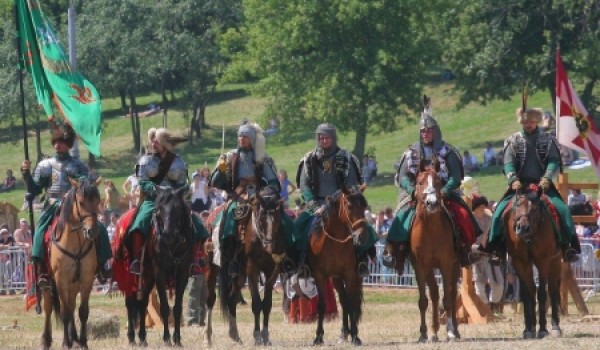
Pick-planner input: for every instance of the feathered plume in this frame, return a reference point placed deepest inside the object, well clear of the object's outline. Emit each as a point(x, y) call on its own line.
point(259, 145)
point(426, 105)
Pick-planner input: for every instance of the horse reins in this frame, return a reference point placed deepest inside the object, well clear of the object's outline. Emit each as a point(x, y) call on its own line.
point(343, 212)
point(82, 252)
point(277, 258)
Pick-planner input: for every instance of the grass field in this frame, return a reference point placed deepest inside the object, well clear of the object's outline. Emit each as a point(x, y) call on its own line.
point(467, 129)
point(390, 321)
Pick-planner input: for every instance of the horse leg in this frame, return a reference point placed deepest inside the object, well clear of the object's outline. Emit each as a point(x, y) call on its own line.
point(211, 284)
point(450, 280)
point(47, 334)
point(554, 291)
point(236, 292)
point(527, 293)
point(354, 304)
point(320, 282)
point(131, 318)
point(256, 302)
point(180, 285)
point(434, 294)
point(141, 309)
point(422, 303)
point(84, 312)
point(164, 308)
point(542, 296)
point(267, 305)
point(339, 287)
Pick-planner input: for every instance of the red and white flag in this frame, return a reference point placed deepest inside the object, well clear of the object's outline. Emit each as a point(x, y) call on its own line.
point(575, 128)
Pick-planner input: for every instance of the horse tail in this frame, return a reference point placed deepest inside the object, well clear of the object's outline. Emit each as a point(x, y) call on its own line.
point(55, 303)
point(224, 288)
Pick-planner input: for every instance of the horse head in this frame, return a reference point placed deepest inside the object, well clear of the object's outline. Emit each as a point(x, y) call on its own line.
point(83, 199)
point(266, 221)
point(528, 213)
point(428, 189)
point(171, 218)
point(353, 205)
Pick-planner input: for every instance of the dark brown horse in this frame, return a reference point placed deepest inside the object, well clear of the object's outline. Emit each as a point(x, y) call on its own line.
point(260, 247)
point(332, 254)
point(172, 255)
point(432, 245)
point(73, 263)
point(531, 241)
point(136, 288)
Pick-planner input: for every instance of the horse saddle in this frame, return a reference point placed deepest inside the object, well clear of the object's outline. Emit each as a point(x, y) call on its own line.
point(550, 208)
point(241, 211)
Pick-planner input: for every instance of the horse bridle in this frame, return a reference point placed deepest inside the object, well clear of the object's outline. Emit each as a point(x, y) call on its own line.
point(343, 212)
point(83, 249)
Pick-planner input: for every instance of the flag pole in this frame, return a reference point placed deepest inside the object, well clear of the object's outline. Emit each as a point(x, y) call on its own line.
point(29, 195)
point(556, 96)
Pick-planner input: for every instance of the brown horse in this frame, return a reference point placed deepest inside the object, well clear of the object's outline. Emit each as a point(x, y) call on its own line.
point(432, 245)
point(73, 263)
point(532, 241)
point(332, 254)
point(260, 248)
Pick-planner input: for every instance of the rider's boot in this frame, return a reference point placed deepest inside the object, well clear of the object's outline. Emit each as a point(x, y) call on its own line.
point(497, 250)
point(198, 261)
point(571, 250)
point(464, 255)
point(43, 280)
point(394, 256)
point(362, 268)
point(137, 245)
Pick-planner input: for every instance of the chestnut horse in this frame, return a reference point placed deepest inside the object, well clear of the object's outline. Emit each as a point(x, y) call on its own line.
point(73, 262)
point(260, 248)
point(332, 254)
point(531, 241)
point(432, 245)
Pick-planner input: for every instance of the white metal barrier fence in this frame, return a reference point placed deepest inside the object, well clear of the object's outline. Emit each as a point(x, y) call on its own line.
point(13, 264)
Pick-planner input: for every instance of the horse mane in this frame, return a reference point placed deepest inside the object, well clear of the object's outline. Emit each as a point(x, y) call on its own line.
point(89, 189)
point(170, 197)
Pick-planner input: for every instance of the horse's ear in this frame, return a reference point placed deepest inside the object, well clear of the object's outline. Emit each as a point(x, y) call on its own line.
point(347, 191)
point(363, 187)
point(180, 192)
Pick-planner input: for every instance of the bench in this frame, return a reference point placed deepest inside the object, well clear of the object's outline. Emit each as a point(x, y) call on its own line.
point(564, 186)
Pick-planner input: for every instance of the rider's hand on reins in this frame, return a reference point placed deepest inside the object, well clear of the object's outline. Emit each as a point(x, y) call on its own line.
point(545, 184)
point(516, 185)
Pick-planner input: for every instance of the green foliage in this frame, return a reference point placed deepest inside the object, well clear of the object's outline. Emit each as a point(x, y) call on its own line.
point(355, 63)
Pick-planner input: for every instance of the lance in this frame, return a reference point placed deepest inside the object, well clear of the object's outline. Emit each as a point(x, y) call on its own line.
point(223, 139)
point(29, 195)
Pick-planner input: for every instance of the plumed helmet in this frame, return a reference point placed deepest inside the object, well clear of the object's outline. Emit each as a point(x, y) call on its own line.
point(249, 131)
point(428, 122)
point(529, 114)
point(257, 137)
point(327, 129)
point(165, 138)
point(64, 133)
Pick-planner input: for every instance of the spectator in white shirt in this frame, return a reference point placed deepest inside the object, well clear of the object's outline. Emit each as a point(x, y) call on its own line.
point(489, 155)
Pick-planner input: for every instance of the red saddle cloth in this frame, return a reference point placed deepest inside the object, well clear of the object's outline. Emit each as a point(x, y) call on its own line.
point(126, 281)
point(551, 209)
point(463, 220)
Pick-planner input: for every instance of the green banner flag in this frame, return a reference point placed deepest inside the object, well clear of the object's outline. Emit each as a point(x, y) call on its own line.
point(58, 88)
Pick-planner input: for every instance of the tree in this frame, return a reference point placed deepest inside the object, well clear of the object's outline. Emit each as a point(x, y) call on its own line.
point(354, 63)
point(494, 47)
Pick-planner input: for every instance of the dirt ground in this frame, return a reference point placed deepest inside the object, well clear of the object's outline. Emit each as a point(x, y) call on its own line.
point(390, 321)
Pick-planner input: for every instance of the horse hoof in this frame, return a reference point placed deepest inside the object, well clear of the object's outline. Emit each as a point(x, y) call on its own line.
point(143, 343)
point(318, 341)
point(422, 339)
point(542, 334)
point(168, 343)
point(452, 336)
point(528, 334)
point(556, 332)
point(356, 341)
point(432, 338)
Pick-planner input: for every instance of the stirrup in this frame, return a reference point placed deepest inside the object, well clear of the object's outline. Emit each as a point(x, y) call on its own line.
point(288, 266)
point(388, 261)
point(363, 269)
point(571, 255)
point(135, 268)
point(43, 282)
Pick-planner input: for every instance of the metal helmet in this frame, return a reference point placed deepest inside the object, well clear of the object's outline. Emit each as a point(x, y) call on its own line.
point(327, 129)
point(428, 122)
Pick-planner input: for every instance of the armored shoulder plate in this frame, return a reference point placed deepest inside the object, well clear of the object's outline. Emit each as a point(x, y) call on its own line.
point(147, 167)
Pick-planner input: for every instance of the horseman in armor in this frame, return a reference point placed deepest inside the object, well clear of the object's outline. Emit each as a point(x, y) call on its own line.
point(242, 173)
point(430, 146)
point(322, 172)
point(52, 176)
point(531, 157)
point(161, 167)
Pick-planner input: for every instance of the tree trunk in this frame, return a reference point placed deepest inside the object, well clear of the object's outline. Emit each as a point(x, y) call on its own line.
point(361, 136)
point(135, 122)
point(123, 95)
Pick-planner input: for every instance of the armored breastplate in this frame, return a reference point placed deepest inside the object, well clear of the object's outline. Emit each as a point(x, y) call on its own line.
point(415, 157)
point(245, 165)
point(59, 172)
point(148, 168)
